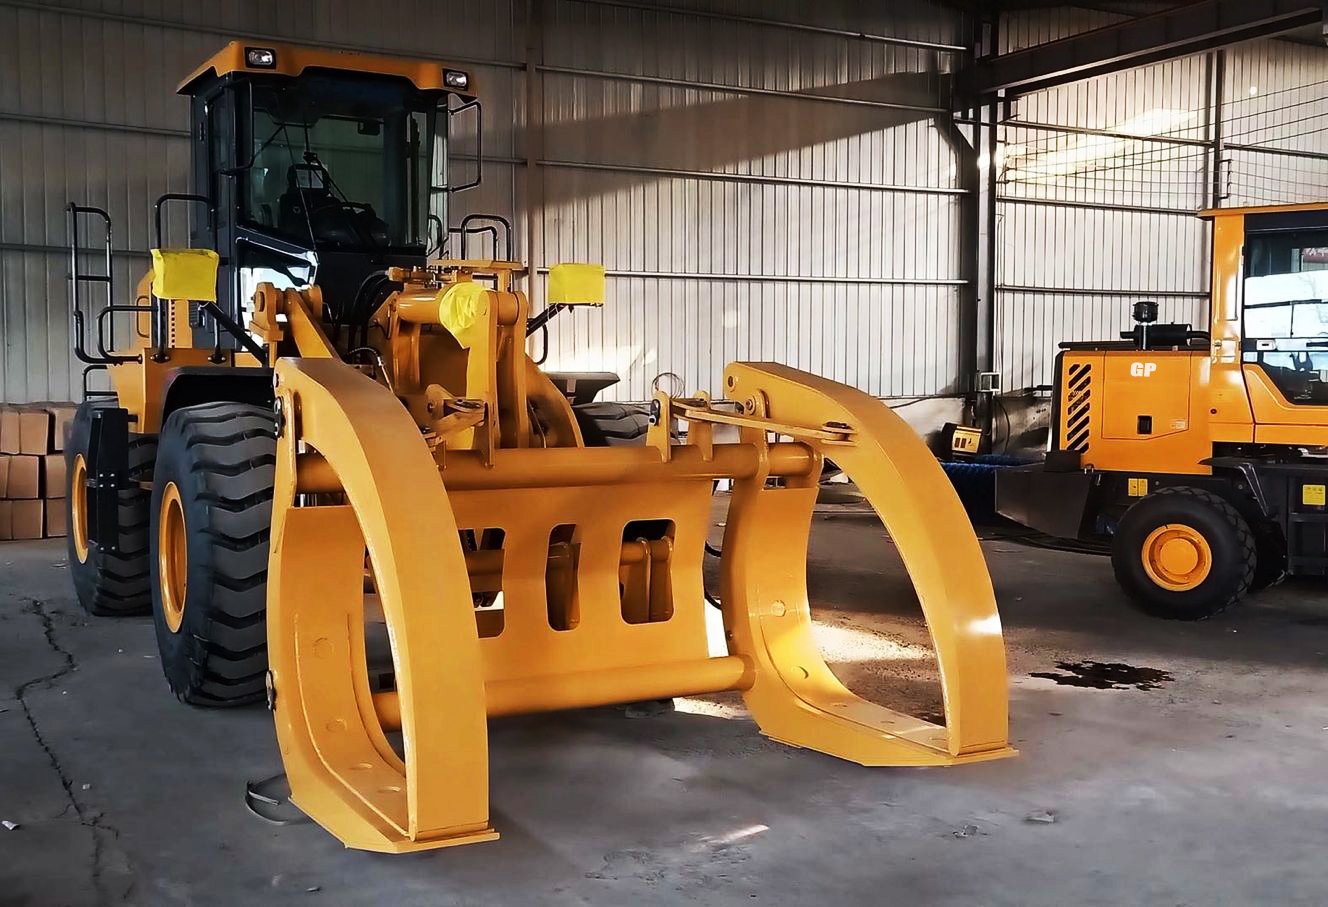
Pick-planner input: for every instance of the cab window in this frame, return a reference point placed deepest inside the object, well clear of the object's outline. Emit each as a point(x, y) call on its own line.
point(340, 162)
point(1286, 311)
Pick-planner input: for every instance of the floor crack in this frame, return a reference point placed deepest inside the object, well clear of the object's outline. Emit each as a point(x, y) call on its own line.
point(89, 819)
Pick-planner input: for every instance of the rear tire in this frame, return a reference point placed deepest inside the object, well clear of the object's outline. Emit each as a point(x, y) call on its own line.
point(109, 584)
point(1183, 553)
point(211, 522)
point(608, 424)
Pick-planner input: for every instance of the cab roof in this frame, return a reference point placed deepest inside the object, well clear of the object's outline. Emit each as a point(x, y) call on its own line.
point(1210, 213)
point(292, 60)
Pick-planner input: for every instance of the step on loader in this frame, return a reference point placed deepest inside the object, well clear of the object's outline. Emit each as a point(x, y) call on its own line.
point(326, 430)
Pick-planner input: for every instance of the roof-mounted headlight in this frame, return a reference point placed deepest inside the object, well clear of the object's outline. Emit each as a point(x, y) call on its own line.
point(455, 78)
point(260, 57)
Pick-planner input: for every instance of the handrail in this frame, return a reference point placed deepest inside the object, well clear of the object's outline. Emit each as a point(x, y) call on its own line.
point(77, 277)
point(507, 232)
point(161, 323)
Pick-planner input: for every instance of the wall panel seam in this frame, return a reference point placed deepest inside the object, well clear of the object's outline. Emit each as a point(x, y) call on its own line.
point(737, 89)
point(723, 176)
point(783, 278)
point(1085, 291)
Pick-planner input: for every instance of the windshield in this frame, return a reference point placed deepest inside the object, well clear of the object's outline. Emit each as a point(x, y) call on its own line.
point(340, 161)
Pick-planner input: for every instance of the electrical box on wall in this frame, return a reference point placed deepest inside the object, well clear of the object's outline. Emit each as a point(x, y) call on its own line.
point(959, 442)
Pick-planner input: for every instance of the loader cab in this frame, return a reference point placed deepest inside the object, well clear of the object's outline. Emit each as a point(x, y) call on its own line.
point(318, 167)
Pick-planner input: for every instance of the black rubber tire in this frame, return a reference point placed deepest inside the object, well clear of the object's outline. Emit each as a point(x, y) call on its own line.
point(112, 584)
point(1228, 536)
point(607, 424)
point(222, 458)
point(1271, 555)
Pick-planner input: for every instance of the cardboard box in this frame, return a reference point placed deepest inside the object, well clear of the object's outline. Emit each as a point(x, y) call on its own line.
point(34, 432)
point(55, 519)
point(6, 520)
point(24, 482)
point(4, 475)
point(27, 519)
point(61, 415)
point(9, 429)
point(53, 476)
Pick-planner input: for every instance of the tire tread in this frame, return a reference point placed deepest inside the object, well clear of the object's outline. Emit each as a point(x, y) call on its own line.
point(231, 447)
point(1245, 545)
point(119, 583)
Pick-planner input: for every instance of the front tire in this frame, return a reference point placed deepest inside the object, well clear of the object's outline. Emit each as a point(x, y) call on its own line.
point(1183, 553)
point(211, 521)
point(106, 583)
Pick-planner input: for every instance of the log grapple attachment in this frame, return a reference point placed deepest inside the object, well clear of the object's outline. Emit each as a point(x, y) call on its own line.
point(517, 570)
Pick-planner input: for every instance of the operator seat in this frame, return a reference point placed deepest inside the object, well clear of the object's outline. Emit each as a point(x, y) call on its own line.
point(296, 206)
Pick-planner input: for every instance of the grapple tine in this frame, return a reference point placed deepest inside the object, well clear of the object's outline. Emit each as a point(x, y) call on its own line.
point(341, 770)
point(794, 697)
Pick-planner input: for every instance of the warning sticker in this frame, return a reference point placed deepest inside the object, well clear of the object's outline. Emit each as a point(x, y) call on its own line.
point(1313, 494)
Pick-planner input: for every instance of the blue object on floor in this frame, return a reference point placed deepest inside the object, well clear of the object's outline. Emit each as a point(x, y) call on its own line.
point(975, 481)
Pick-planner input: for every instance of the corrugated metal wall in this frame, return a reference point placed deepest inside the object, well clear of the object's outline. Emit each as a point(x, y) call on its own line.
point(763, 180)
point(739, 220)
point(1100, 180)
point(757, 189)
point(1275, 102)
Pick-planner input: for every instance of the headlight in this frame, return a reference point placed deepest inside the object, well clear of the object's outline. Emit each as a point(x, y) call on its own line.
point(455, 78)
point(260, 57)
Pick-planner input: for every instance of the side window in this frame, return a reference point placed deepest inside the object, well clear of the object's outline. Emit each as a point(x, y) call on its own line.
point(437, 190)
point(1286, 311)
point(219, 129)
point(1286, 285)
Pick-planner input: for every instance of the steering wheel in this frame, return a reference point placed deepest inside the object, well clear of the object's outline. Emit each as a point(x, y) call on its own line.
point(347, 221)
point(331, 203)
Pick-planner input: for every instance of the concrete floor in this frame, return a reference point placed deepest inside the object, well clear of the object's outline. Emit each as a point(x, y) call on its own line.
point(1211, 788)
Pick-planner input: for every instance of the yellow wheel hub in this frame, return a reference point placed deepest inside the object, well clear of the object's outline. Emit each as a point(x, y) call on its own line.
point(1177, 557)
point(172, 557)
point(78, 508)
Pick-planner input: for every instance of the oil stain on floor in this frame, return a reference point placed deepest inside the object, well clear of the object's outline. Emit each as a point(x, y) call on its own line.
point(1098, 675)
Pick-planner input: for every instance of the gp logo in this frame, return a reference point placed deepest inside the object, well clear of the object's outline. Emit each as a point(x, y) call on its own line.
point(1142, 369)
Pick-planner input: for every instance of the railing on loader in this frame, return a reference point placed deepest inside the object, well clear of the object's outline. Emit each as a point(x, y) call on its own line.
point(154, 328)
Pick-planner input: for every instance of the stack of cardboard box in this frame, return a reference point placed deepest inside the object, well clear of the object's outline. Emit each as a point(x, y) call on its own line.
point(32, 470)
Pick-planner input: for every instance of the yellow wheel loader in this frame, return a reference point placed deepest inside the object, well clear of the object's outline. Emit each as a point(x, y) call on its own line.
point(322, 431)
point(1202, 455)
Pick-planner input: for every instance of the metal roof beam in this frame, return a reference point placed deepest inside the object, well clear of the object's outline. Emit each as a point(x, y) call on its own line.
point(1179, 32)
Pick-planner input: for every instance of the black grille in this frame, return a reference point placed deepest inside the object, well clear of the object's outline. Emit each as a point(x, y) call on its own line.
point(1079, 383)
